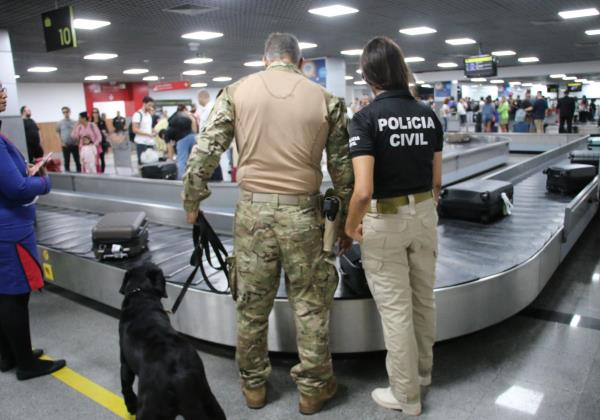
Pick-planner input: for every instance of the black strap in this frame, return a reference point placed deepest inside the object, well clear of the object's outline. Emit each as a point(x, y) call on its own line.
point(204, 238)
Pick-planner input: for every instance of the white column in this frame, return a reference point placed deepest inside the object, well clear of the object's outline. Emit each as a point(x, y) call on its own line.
point(336, 71)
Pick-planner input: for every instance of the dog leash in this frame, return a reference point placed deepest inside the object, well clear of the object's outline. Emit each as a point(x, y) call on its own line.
point(204, 238)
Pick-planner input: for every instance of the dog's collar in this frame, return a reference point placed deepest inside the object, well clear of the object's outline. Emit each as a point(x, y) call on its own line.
point(140, 290)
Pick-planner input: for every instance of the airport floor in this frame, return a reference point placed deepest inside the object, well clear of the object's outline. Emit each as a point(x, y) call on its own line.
point(541, 364)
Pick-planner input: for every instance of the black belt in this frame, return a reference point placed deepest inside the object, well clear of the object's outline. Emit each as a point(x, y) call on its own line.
point(204, 238)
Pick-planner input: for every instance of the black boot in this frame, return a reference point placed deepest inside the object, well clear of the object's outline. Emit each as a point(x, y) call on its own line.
point(39, 368)
point(7, 364)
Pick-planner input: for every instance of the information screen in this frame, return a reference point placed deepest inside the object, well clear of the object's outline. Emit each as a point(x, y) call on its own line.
point(481, 66)
point(58, 29)
point(574, 87)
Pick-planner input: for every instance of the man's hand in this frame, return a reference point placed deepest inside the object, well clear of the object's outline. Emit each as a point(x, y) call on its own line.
point(192, 216)
point(355, 233)
point(344, 243)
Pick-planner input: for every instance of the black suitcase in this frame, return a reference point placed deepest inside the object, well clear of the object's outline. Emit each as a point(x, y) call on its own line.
point(569, 179)
point(120, 235)
point(586, 157)
point(478, 200)
point(160, 170)
point(353, 275)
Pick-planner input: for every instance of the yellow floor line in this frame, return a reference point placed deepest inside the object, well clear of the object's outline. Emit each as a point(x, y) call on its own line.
point(93, 391)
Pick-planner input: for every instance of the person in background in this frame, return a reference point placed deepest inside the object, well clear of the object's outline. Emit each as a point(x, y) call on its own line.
point(32, 135)
point(487, 114)
point(365, 100)
point(89, 156)
point(566, 111)
point(105, 145)
point(592, 114)
point(142, 128)
point(527, 106)
point(583, 109)
point(181, 134)
point(19, 261)
point(452, 104)
point(393, 215)
point(461, 110)
point(538, 112)
point(87, 128)
point(205, 106)
point(119, 123)
point(70, 146)
point(503, 114)
point(445, 113)
point(161, 145)
point(355, 107)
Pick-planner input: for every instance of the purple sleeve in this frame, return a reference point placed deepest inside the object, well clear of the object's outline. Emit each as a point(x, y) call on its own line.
point(14, 185)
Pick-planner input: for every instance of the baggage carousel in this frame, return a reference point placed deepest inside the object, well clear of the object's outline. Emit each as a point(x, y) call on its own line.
point(485, 273)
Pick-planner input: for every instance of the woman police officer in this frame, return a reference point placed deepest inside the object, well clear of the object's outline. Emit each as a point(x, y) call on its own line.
point(396, 148)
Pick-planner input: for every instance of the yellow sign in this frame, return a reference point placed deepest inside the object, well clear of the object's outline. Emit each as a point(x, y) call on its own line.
point(48, 272)
point(480, 59)
point(45, 255)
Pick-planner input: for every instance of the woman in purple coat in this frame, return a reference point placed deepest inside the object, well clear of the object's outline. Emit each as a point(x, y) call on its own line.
point(20, 271)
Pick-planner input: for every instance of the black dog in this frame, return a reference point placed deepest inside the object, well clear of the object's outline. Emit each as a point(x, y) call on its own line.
point(171, 378)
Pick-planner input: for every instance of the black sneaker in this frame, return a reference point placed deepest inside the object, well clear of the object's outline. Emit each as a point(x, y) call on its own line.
point(9, 364)
point(40, 368)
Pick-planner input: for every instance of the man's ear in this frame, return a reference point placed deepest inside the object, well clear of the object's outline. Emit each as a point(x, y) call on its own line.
point(301, 63)
point(125, 281)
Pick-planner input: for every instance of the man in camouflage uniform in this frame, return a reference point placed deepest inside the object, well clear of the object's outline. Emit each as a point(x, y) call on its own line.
point(282, 122)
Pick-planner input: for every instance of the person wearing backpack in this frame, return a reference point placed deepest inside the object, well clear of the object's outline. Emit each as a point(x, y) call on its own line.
point(141, 126)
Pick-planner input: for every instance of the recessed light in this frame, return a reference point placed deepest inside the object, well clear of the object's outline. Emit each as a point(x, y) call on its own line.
point(419, 82)
point(96, 77)
point(359, 71)
point(222, 79)
point(592, 32)
point(527, 84)
point(581, 80)
point(447, 65)
point(455, 82)
point(100, 56)
point(573, 14)
point(198, 85)
point(17, 76)
point(419, 30)
point(333, 10)
point(503, 53)
point(254, 64)
point(478, 79)
point(528, 59)
point(41, 69)
point(569, 78)
point(150, 78)
point(414, 59)
point(515, 83)
point(360, 82)
point(307, 45)
point(426, 85)
point(497, 81)
point(557, 76)
point(461, 41)
point(198, 60)
point(348, 78)
point(202, 35)
point(136, 71)
point(351, 52)
point(195, 72)
point(89, 24)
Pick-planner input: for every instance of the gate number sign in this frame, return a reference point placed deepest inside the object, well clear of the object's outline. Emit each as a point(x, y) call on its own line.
point(58, 29)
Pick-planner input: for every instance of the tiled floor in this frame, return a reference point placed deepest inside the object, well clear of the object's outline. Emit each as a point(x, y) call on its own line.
point(523, 368)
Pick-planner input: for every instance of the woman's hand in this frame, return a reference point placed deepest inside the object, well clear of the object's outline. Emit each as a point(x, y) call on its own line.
point(344, 243)
point(355, 233)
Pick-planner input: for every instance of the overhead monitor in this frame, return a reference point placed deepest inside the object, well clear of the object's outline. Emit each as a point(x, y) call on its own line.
point(574, 86)
point(481, 66)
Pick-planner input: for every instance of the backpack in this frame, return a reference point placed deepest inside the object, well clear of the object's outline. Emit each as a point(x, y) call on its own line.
point(131, 133)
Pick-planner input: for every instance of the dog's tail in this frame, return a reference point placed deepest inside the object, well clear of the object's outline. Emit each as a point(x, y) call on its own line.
point(204, 406)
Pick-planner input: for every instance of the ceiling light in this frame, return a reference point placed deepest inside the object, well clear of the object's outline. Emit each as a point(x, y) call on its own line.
point(17, 76)
point(100, 56)
point(307, 45)
point(419, 30)
point(359, 71)
point(96, 77)
point(89, 24)
point(581, 80)
point(573, 14)
point(461, 41)
point(194, 72)
point(455, 82)
point(150, 78)
point(202, 35)
point(557, 76)
point(360, 82)
point(41, 69)
point(136, 71)
point(348, 78)
point(254, 64)
point(503, 53)
point(419, 82)
point(426, 85)
point(351, 52)
point(414, 59)
point(497, 81)
point(528, 59)
point(411, 84)
point(592, 32)
point(447, 65)
point(333, 10)
point(569, 78)
point(527, 84)
point(478, 79)
point(514, 83)
point(198, 85)
point(222, 79)
point(198, 60)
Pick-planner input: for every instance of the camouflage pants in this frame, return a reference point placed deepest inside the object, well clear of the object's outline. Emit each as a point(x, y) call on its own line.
point(267, 237)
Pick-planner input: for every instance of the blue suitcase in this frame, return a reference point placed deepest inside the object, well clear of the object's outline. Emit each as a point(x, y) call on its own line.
point(521, 127)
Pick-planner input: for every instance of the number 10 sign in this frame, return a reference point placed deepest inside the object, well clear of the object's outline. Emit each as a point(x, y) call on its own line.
point(58, 29)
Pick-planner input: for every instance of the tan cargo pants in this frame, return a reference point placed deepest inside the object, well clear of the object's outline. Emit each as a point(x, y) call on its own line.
point(399, 254)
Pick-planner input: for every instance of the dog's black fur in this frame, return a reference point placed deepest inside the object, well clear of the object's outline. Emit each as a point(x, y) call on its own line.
point(171, 378)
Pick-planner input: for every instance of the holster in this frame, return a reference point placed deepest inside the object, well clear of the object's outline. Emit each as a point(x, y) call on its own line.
point(232, 278)
point(331, 213)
